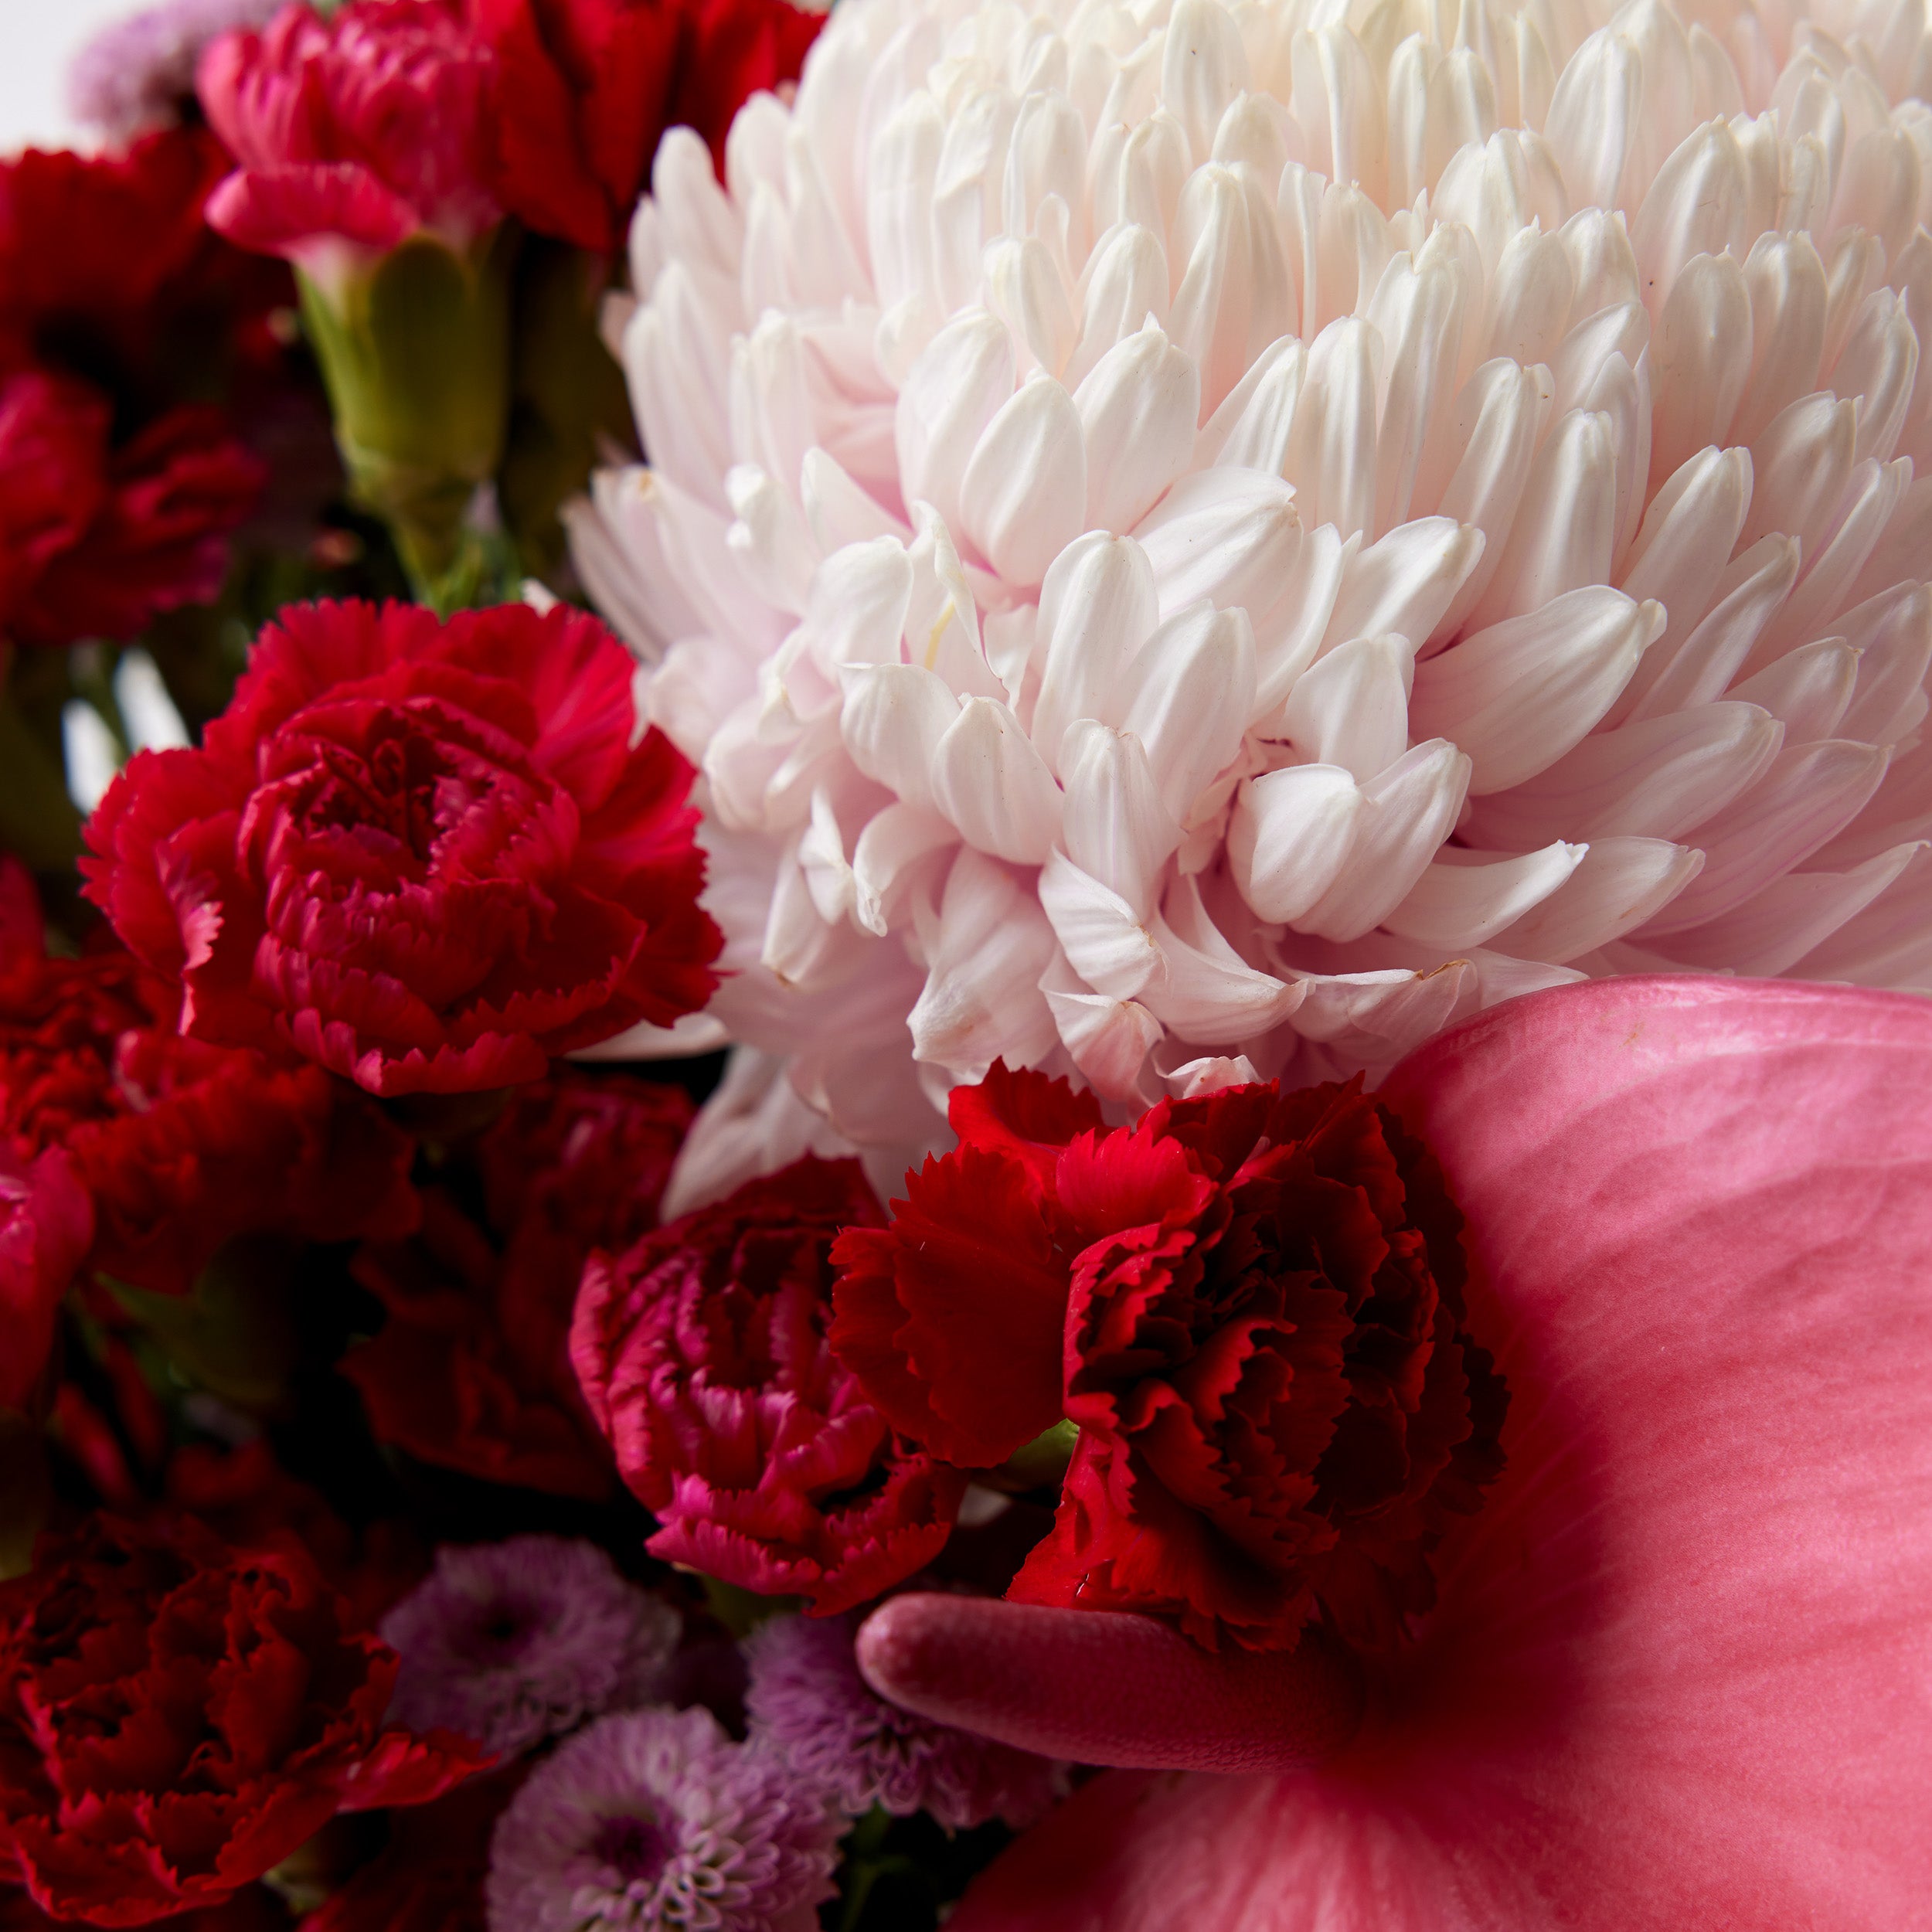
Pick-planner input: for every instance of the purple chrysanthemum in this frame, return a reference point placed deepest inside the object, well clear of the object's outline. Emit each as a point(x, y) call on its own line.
point(135, 73)
point(810, 1707)
point(657, 1819)
point(510, 1643)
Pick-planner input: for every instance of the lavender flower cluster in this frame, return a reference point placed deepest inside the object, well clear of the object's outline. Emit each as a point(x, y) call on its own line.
point(644, 1815)
point(138, 73)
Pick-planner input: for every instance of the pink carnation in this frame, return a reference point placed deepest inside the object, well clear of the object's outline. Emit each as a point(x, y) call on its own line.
point(352, 133)
point(702, 1352)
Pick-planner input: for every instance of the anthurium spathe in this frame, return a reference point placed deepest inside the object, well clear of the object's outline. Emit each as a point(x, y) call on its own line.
point(1680, 1671)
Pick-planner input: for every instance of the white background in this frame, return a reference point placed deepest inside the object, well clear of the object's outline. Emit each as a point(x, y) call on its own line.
point(36, 39)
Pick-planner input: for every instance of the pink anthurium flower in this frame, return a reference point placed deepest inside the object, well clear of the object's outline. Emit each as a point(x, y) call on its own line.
point(1680, 1672)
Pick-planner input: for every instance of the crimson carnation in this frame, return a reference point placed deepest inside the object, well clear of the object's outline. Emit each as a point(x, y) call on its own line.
point(252, 1502)
point(585, 88)
point(702, 1350)
point(108, 271)
point(182, 1145)
point(357, 130)
point(1251, 1303)
point(176, 1718)
point(119, 314)
point(428, 855)
point(471, 1371)
point(95, 540)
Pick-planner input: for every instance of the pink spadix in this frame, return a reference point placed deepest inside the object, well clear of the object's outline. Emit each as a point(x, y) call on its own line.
point(1107, 1688)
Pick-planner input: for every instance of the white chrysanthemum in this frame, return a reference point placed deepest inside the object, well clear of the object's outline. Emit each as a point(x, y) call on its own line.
point(1182, 534)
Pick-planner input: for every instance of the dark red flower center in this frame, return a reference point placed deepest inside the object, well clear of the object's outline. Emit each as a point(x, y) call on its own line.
point(395, 786)
point(636, 1847)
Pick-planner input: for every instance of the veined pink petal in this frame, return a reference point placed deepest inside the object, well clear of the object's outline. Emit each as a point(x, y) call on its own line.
point(283, 210)
point(1680, 1673)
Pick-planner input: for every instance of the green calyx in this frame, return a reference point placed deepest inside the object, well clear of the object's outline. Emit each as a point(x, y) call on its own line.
point(416, 354)
point(1040, 1465)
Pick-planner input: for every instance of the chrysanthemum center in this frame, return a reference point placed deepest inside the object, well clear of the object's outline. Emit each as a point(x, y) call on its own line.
point(636, 1847)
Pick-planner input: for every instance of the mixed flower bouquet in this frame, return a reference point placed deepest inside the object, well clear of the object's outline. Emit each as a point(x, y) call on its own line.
point(969, 967)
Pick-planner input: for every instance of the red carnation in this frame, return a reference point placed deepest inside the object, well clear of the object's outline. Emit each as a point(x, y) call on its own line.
point(428, 854)
point(702, 1350)
point(176, 1718)
point(585, 88)
point(108, 271)
point(732, 49)
point(357, 130)
point(53, 432)
point(251, 1502)
point(471, 1371)
point(183, 1145)
point(1251, 1303)
point(95, 540)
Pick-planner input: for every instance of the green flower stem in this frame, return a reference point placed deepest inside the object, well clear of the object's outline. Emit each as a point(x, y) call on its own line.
point(415, 356)
point(741, 1610)
point(865, 1863)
